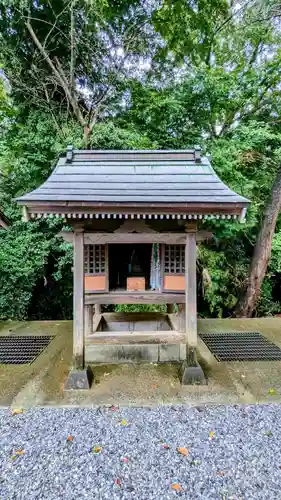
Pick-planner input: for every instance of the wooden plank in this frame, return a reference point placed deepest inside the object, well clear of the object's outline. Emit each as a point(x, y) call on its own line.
point(134, 316)
point(134, 238)
point(191, 290)
point(134, 298)
point(88, 318)
point(78, 301)
point(123, 337)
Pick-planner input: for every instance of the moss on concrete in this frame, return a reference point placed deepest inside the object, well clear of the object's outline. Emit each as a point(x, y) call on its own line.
point(43, 381)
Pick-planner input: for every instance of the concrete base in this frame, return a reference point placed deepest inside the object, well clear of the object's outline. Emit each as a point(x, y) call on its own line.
point(192, 372)
point(134, 353)
point(79, 379)
point(193, 375)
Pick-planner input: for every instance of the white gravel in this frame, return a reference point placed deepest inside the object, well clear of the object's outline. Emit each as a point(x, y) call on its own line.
point(242, 460)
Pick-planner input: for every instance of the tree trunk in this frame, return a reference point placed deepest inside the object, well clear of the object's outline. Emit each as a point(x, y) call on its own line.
point(86, 136)
point(262, 253)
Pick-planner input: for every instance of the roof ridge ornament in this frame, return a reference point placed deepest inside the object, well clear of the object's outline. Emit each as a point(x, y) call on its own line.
point(69, 153)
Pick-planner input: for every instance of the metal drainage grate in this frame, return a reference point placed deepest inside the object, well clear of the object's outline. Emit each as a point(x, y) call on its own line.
point(22, 350)
point(241, 346)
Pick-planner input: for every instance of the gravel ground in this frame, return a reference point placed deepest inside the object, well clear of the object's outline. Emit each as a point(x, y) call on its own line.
point(234, 452)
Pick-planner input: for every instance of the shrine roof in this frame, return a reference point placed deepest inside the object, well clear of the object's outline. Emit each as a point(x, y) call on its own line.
point(143, 178)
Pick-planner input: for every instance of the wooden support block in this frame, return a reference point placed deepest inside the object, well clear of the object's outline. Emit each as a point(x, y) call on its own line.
point(97, 308)
point(170, 308)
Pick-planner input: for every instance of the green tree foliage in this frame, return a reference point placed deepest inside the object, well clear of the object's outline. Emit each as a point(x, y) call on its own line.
point(35, 265)
point(74, 56)
point(24, 260)
point(140, 75)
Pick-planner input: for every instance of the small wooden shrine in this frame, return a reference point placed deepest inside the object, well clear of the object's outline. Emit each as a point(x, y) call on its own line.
point(135, 218)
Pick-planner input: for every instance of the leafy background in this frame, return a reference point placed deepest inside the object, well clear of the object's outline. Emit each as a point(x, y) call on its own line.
point(147, 75)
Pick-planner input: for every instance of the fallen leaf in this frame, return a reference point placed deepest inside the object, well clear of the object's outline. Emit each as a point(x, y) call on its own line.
point(106, 374)
point(97, 449)
point(196, 462)
point(154, 386)
point(17, 411)
point(114, 408)
point(118, 482)
point(69, 438)
point(268, 433)
point(220, 473)
point(177, 487)
point(211, 435)
point(183, 451)
point(124, 422)
point(125, 460)
point(166, 446)
point(272, 391)
point(19, 452)
point(13, 457)
point(279, 466)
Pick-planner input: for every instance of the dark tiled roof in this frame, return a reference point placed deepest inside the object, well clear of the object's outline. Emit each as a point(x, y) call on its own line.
point(145, 177)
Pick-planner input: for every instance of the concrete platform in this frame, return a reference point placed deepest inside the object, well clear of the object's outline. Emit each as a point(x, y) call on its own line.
point(42, 383)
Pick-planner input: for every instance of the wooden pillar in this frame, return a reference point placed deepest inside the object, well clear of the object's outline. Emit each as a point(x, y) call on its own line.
point(88, 318)
point(78, 300)
point(170, 308)
point(190, 290)
point(97, 309)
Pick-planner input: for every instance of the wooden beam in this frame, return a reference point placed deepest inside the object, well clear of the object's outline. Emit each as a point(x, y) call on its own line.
point(133, 238)
point(134, 298)
point(191, 290)
point(78, 301)
point(125, 337)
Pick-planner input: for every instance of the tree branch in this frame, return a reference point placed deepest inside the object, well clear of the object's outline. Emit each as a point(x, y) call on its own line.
point(59, 75)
